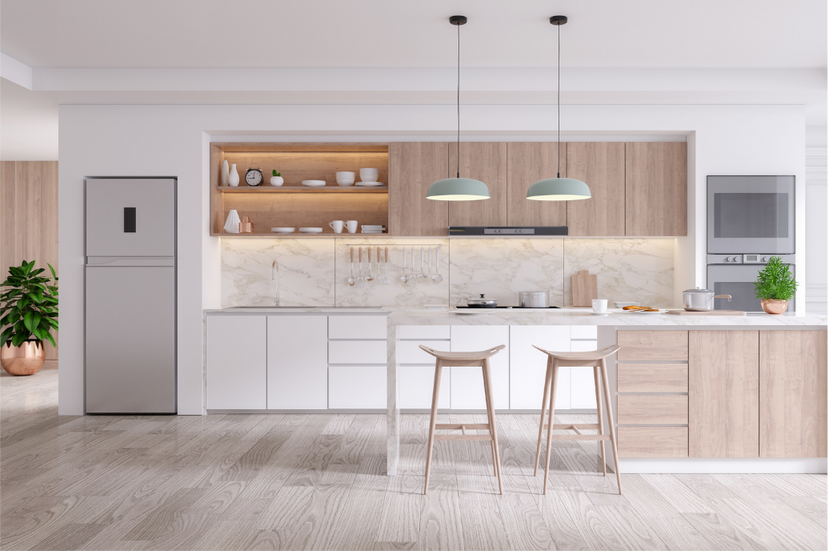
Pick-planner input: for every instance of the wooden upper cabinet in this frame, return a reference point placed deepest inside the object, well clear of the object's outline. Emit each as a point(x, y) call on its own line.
point(601, 165)
point(413, 167)
point(656, 196)
point(723, 394)
point(793, 393)
point(487, 162)
point(527, 163)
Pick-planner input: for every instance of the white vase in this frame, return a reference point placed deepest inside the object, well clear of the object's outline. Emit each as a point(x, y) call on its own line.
point(232, 224)
point(225, 172)
point(233, 178)
point(277, 180)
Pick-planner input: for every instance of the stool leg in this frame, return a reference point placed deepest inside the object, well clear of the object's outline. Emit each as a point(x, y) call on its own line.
point(612, 426)
point(553, 385)
point(547, 379)
point(490, 409)
point(432, 422)
point(600, 414)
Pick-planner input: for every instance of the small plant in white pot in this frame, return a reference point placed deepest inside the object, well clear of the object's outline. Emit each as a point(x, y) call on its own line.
point(276, 179)
point(775, 286)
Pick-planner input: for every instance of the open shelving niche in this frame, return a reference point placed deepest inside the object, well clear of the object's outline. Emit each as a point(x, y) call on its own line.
point(292, 204)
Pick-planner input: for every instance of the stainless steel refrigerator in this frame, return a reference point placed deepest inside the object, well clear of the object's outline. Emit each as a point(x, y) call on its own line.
point(130, 295)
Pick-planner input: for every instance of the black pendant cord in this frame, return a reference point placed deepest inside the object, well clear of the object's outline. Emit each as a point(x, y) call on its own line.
point(558, 103)
point(458, 103)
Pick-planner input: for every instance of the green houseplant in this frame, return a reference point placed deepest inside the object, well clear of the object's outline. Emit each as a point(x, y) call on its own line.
point(28, 315)
point(775, 286)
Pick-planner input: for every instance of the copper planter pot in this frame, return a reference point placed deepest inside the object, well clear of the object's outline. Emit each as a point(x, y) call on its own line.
point(774, 306)
point(26, 359)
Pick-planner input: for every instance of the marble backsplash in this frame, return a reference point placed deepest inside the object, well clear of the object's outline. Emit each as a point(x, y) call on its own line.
point(315, 272)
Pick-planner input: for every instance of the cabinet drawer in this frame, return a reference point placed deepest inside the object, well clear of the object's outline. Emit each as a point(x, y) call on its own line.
point(357, 352)
point(357, 387)
point(653, 441)
point(409, 352)
point(653, 345)
point(652, 409)
point(584, 332)
point(415, 386)
point(652, 377)
point(432, 332)
point(357, 327)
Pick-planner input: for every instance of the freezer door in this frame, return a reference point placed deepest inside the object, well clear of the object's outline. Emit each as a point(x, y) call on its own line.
point(130, 217)
point(130, 340)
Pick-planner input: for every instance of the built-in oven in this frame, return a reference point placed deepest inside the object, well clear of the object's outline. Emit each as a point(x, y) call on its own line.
point(735, 275)
point(751, 214)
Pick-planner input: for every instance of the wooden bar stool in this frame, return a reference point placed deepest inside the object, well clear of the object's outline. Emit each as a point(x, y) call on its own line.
point(464, 359)
point(596, 360)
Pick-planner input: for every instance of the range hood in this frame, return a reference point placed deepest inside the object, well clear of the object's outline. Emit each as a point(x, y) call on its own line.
point(508, 231)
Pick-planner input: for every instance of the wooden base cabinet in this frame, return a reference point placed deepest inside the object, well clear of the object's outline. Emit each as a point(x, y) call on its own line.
point(793, 394)
point(723, 373)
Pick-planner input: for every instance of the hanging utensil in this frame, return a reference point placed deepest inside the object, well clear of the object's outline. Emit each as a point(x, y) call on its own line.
point(386, 280)
point(413, 276)
point(369, 277)
point(360, 278)
point(437, 278)
point(404, 278)
point(352, 280)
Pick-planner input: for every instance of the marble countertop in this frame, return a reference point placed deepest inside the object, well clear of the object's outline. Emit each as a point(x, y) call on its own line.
point(271, 310)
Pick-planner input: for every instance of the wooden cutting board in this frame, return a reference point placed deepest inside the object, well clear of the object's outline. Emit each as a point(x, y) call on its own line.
point(585, 288)
point(709, 313)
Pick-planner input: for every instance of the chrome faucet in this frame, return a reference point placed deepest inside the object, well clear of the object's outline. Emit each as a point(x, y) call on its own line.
point(275, 277)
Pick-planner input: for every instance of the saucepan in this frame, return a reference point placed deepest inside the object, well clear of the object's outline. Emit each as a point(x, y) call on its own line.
point(700, 300)
point(482, 302)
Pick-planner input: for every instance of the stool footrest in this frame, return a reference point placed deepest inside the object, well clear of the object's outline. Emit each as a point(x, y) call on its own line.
point(571, 426)
point(461, 426)
point(463, 437)
point(580, 437)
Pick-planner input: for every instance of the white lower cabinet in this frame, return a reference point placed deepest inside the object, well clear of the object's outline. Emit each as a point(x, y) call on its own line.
point(582, 383)
point(467, 390)
point(357, 362)
point(415, 384)
point(528, 366)
point(357, 387)
point(297, 362)
point(236, 362)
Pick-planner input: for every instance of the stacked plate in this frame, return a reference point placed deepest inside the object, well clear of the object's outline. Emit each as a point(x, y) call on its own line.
point(366, 228)
point(313, 183)
point(310, 230)
point(369, 184)
point(283, 230)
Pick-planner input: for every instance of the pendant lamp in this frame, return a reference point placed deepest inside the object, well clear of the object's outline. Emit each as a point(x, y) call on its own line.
point(558, 188)
point(458, 189)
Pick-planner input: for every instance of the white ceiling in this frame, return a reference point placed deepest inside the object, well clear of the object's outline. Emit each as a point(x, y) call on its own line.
point(394, 51)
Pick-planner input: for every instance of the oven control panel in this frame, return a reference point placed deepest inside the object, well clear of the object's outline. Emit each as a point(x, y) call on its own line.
point(747, 258)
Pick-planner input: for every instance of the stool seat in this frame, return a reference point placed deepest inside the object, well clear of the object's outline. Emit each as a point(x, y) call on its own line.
point(588, 356)
point(475, 357)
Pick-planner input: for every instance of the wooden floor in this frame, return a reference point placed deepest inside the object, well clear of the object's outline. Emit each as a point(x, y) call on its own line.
point(316, 482)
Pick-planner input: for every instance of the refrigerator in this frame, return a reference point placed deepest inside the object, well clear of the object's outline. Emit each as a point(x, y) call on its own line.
point(130, 295)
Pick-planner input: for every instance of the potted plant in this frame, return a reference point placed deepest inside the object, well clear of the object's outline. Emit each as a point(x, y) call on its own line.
point(28, 314)
point(276, 179)
point(775, 286)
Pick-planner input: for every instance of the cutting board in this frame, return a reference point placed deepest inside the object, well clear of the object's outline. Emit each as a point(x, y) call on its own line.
point(585, 288)
point(709, 313)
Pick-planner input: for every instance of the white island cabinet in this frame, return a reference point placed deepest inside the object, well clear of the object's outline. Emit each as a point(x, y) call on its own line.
point(468, 382)
point(357, 362)
point(297, 362)
point(236, 362)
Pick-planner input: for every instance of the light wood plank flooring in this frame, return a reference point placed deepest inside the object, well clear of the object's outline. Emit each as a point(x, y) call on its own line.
point(316, 482)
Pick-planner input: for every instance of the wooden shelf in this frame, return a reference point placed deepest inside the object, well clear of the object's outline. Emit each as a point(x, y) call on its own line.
point(306, 189)
point(298, 235)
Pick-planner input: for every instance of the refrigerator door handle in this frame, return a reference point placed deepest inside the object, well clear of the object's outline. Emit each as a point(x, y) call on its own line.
point(159, 261)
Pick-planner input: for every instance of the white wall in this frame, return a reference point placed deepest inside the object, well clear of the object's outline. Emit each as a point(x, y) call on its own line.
point(172, 141)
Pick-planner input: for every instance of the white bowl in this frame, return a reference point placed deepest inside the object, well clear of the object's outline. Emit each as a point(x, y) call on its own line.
point(313, 183)
point(369, 174)
point(283, 230)
point(345, 183)
point(310, 230)
point(345, 175)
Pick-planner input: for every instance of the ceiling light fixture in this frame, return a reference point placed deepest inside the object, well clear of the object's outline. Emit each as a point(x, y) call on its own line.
point(558, 188)
point(458, 189)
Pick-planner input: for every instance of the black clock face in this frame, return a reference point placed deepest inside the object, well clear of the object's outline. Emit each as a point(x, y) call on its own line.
point(253, 177)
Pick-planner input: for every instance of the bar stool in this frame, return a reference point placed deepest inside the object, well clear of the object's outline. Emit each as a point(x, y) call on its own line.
point(596, 360)
point(464, 359)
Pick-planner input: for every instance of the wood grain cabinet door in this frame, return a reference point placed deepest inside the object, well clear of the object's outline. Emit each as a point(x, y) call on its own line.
point(723, 393)
point(656, 196)
point(487, 162)
point(793, 394)
point(527, 163)
point(601, 165)
point(413, 167)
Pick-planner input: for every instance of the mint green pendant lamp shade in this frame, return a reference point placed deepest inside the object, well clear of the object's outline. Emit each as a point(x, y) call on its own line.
point(458, 189)
point(558, 189)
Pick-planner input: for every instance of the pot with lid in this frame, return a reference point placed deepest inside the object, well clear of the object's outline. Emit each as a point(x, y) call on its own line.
point(482, 302)
point(533, 299)
point(700, 300)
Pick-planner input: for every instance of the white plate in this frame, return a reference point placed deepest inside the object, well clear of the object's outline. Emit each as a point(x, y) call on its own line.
point(310, 230)
point(643, 312)
point(283, 230)
point(313, 183)
point(369, 184)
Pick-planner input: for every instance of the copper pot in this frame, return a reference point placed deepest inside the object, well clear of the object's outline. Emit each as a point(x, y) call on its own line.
point(774, 306)
point(26, 359)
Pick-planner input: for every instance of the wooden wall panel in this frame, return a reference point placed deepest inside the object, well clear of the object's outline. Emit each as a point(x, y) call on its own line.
point(487, 162)
point(8, 218)
point(528, 162)
point(793, 394)
point(601, 165)
point(723, 394)
point(656, 189)
point(413, 167)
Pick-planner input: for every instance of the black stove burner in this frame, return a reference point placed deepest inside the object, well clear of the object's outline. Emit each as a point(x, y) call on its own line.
point(502, 308)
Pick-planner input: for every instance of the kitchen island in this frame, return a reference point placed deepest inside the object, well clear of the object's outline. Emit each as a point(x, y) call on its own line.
point(751, 395)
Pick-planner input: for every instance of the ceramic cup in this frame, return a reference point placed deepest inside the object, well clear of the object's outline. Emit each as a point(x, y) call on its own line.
point(599, 306)
point(337, 226)
point(352, 226)
point(369, 174)
point(345, 178)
